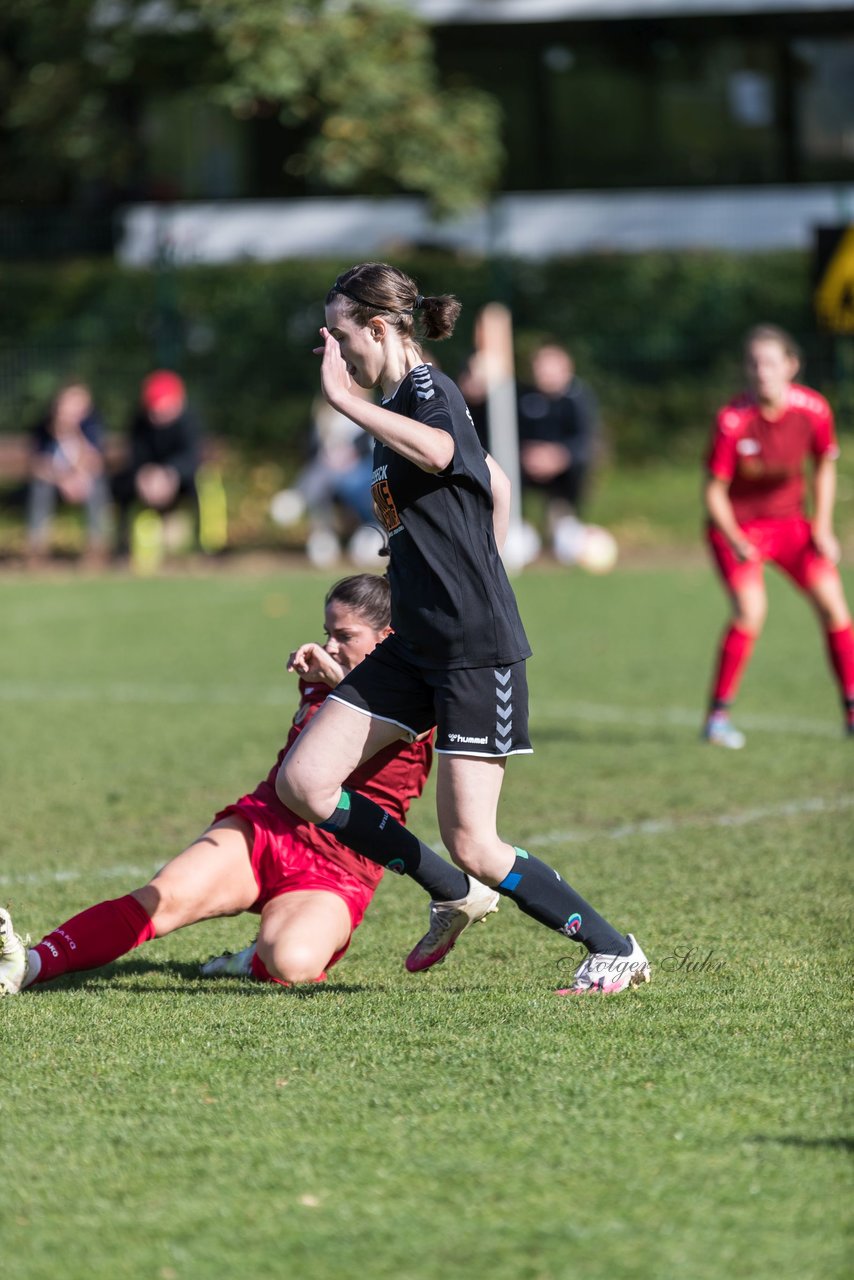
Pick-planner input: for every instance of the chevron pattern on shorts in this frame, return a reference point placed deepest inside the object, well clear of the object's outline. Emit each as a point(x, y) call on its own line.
point(503, 709)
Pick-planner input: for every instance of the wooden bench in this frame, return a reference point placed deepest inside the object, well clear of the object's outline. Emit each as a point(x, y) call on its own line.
point(15, 451)
point(15, 455)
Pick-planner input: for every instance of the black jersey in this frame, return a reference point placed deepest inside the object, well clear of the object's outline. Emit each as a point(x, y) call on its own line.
point(451, 603)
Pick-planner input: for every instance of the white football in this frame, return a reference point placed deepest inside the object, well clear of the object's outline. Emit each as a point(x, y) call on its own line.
point(587, 545)
point(599, 550)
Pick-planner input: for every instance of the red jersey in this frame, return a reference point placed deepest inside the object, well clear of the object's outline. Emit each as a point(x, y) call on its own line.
point(393, 778)
point(763, 459)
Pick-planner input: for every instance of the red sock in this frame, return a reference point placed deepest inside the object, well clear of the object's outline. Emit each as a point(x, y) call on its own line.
point(840, 646)
point(94, 937)
point(263, 974)
point(735, 649)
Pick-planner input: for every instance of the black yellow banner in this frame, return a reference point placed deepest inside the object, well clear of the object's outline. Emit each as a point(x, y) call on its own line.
point(833, 296)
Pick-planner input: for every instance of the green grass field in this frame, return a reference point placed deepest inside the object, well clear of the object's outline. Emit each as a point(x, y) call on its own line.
point(465, 1123)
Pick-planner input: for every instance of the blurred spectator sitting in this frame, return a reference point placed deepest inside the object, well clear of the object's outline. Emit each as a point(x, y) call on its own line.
point(558, 432)
point(164, 454)
point(334, 487)
point(67, 464)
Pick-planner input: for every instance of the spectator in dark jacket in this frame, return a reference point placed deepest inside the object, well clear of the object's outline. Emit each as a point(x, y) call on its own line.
point(558, 429)
point(164, 453)
point(67, 465)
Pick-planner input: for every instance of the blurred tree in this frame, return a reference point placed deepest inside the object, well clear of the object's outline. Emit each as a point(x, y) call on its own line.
point(355, 80)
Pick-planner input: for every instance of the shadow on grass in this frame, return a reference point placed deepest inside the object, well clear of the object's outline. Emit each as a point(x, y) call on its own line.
point(192, 983)
point(806, 1144)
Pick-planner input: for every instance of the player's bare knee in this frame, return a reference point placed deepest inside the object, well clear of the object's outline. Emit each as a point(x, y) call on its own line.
point(284, 790)
point(477, 857)
point(295, 962)
point(297, 794)
point(751, 617)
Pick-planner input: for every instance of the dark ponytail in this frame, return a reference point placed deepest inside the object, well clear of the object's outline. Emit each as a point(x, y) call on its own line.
point(439, 315)
point(376, 288)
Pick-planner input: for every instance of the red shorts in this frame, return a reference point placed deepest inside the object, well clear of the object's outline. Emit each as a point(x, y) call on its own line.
point(282, 863)
point(786, 542)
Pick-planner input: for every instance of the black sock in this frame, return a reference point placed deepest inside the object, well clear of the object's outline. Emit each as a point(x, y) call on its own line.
point(366, 828)
point(538, 890)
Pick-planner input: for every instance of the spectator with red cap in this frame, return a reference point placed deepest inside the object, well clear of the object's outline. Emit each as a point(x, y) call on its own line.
point(164, 453)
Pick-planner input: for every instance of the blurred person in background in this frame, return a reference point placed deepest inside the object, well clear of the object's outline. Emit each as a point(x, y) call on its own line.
point(558, 433)
point(755, 503)
point(164, 444)
point(471, 381)
point(333, 490)
point(67, 465)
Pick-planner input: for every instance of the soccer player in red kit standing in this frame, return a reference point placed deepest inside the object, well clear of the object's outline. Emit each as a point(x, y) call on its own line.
point(755, 500)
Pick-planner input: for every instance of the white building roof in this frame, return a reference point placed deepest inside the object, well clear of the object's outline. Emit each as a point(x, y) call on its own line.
point(530, 11)
point(535, 226)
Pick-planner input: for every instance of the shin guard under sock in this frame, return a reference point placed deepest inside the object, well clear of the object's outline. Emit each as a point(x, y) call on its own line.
point(95, 937)
point(366, 828)
point(539, 891)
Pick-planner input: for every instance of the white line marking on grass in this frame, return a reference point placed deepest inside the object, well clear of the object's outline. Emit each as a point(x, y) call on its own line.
point(603, 713)
point(145, 694)
point(129, 692)
point(649, 826)
point(663, 826)
point(64, 875)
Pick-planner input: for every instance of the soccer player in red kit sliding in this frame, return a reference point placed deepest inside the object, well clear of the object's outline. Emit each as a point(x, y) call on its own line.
point(755, 500)
point(309, 890)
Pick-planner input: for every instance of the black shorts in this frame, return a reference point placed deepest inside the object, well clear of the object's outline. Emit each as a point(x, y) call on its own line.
point(477, 711)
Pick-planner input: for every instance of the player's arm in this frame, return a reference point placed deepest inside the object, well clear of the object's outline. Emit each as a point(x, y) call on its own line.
point(500, 483)
point(311, 662)
point(720, 513)
point(429, 448)
point(824, 497)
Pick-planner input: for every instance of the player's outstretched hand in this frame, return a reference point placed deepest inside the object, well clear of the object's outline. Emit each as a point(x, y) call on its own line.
point(312, 662)
point(334, 378)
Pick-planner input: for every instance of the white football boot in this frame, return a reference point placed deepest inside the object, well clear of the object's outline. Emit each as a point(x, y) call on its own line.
point(605, 975)
point(229, 965)
point(13, 957)
point(721, 732)
point(447, 921)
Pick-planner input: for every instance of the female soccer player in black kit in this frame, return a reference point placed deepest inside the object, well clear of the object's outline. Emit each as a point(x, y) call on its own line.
point(456, 657)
